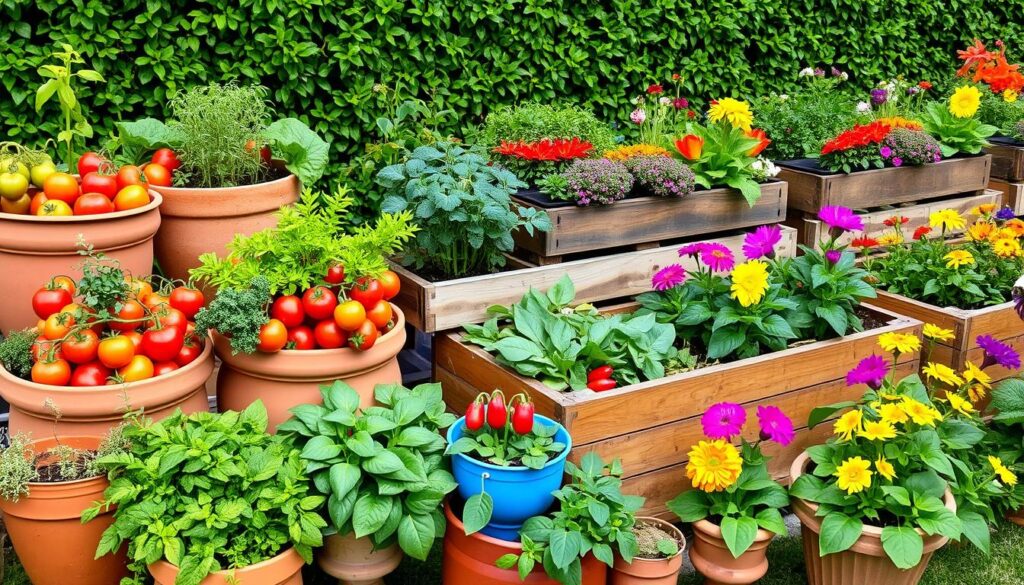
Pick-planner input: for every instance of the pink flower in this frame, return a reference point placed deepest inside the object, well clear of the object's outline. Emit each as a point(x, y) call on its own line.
point(638, 116)
point(680, 103)
point(775, 425)
point(668, 277)
point(833, 256)
point(841, 218)
point(717, 257)
point(723, 420)
point(691, 249)
point(761, 242)
point(871, 371)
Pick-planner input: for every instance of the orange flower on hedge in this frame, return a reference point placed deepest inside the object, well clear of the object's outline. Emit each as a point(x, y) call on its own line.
point(763, 141)
point(690, 146)
point(972, 56)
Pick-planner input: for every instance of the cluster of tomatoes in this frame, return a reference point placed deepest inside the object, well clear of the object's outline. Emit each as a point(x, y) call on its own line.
point(44, 191)
point(328, 317)
point(150, 334)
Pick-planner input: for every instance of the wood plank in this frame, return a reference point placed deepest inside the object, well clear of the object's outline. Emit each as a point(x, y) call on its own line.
point(1013, 194)
point(1007, 161)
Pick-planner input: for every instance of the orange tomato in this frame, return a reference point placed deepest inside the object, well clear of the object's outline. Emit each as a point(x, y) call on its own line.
point(273, 336)
point(131, 197)
point(116, 352)
point(140, 288)
point(81, 346)
point(20, 206)
point(380, 314)
point(133, 311)
point(350, 315)
point(37, 201)
point(62, 187)
point(154, 301)
point(41, 348)
point(139, 368)
point(390, 284)
point(52, 373)
point(65, 282)
point(54, 208)
point(157, 174)
point(58, 325)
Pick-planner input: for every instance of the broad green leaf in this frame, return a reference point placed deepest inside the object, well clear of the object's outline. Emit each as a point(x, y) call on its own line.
point(903, 545)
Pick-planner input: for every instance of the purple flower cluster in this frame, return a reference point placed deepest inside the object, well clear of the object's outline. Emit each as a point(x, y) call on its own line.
point(879, 96)
point(599, 181)
point(725, 420)
point(903, 146)
point(1005, 213)
point(661, 175)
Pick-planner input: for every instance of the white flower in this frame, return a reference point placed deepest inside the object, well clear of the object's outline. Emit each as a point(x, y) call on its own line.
point(845, 76)
point(783, 97)
point(764, 168)
point(665, 101)
point(863, 107)
point(638, 116)
point(807, 72)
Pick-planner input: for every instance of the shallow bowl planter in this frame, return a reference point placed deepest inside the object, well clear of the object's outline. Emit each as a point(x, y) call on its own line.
point(197, 221)
point(45, 527)
point(284, 569)
point(34, 249)
point(518, 492)
point(865, 561)
point(94, 410)
point(650, 571)
point(292, 377)
point(711, 556)
point(354, 561)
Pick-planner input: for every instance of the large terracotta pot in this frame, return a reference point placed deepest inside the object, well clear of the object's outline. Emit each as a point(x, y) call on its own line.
point(95, 410)
point(865, 561)
point(34, 249)
point(197, 221)
point(711, 556)
point(354, 562)
point(650, 571)
point(469, 560)
point(284, 569)
point(47, 532)
point(292, 377)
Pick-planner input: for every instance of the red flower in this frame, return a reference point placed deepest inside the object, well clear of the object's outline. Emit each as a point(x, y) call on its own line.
point(675, 77)
point(925, 85)
point(690, 146)
point(762, 138)
point(655, 89)
point(691, 114)
point(546, 150)
point(864, 242)
point(858, 137)
point(921, 232)
point(680, 103)
point(896, 219)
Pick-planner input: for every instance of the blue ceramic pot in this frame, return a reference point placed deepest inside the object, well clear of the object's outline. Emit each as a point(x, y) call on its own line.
point(518, 492)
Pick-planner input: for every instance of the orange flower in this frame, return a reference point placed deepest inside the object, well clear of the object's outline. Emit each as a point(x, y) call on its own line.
point(690, 146)
point(1017, 226)
point(763, 141)
point(975, 54)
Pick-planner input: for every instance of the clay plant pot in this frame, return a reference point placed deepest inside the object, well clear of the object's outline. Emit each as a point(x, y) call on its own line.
point(47, 532)
point(1016, 516)
point(711, 556)
point(865, 561)
point(197, 221)
point(34, 249)
point(469, 560)
point(650, 571)
point(291, 377)
point(284, 569)
point(354, 562)
point(94, 410)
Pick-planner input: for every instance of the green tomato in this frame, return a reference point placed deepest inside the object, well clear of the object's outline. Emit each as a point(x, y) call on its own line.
point(41, 171)
point(13, 185)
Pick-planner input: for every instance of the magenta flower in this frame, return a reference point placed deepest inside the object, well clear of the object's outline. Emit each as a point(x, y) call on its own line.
point(717, 257)
point(997, 352)
point(680, 103)
point(691, 249)
point(724, 420)
point(668, 277)
point(775, 425)
point(897, 161)
point(761, 242)
point(885, 151)
point(833, 256)
point(841, 218)
point(871, 371)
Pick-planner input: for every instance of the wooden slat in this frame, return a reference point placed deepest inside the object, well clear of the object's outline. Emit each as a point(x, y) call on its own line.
point(1013, 194)
point(1007, 161)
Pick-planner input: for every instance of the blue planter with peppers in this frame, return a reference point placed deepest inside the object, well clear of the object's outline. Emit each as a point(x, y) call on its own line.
point(507, 461)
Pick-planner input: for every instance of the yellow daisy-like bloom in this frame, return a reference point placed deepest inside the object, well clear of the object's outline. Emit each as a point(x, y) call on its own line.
point(890, 239)
point(847, 425)
point(958, 258)
point(1005, 232)
point(749, 282)
point(1016, 225)
point(877, 430)
point(714, 465)
point(947, 219)
point(973, 373)
point(885, 469)
point(936, 333)
point(900, 122)
point(959, 404)
point(892, 413)
point(1009, 95)
point(1005, 475)
point(1006, 248)
point(980, 231)
point(633, 150)
point(942, 373)
point(899, 342)
point(983, 209)
point(976, 393)
point(920, 413)
point(965, 101)
point(736, 112)
point(854, 475)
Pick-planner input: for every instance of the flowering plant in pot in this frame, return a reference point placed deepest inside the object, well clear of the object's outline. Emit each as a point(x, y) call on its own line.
point(956, 124)
point(735, 503)
point(1005, 432)
point(381, 472)
point(659, 111)
point(659, 555)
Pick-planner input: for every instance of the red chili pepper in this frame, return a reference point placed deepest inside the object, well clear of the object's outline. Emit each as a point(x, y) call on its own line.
point(497, 413)
point(601, 373)
point(522, 416)
point(601, 385)
point(475, 416)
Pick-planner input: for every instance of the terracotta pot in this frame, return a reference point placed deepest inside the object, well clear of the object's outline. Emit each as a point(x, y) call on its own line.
point(354, 562)
point(197, 221)
point(47, 532)
point(469, 560)
point(865, 561)
point(95, 410)
point(284, 569)
point(34, 249)
point(650, 571)
point(1016, 516)
point(289, 378)
point(711, 557)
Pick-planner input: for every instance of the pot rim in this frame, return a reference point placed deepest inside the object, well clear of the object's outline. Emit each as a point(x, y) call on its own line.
point(455, 523)
point(674, 529)
point(155, 200)
point(715, 531)
point(216, 190)
point(515, 468)
point(280, 557)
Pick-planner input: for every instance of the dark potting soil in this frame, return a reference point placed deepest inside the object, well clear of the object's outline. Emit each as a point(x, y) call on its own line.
point(51, 472)
point(1006, 140)
point(810, 165)
point(273, 174)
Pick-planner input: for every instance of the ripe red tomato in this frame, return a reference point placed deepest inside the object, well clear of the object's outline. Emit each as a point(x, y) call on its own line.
point(93, 204)
point(190, 351)
point(161, 368)
point(90, 162)
point(135, 337)
point(117, 351)
point(157, 174)
point(349, 315)
point(319, 302)
point(264, 151)
point(48, 301)
point(335, 274)
point(301, 337)
point(51, 373)
point(365, 337)
point(328, 335)
point(61, 187)
point(132, 310)
point(163, 344)
point(380, 314)
point(168, 316)
point(390, 284)
point(91, 374)
point(131, 197)
point(367, 291)
point(166, 158)
point(288, 310)
point(153, 301)
point(273, 336)
point(139, 368)
point(187, 300)
point(63, 282)
point(58, 325)
point(100, 183)
point(81, 346)
point(128, 175)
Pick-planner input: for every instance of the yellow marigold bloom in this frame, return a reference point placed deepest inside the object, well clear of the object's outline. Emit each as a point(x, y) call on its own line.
point(714, 465)
point(877, 430)
point(890, 239)
point(847, 425)
point(936, 333)
point(899, 342)
point(942, 373)
point(854, 475)
point(1016, 225)
point(892, 413)
point(959, 404)
point(983, 209)
point(1005, 475)
point(1006, 248)
point(749, 282)
point(734, 111)
point(965, 101)
point(958, 258)
point(900, 122)
point(920, 413)
point(980, 231)
point(1009, 95)
point(973, 373)
point(633, 150)
point(976, 393)
point(947, 219)
point(885, 469)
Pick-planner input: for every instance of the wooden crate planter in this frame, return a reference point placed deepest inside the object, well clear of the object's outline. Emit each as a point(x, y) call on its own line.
point(643, 220)
point(1007, 159)
point(809, 191)
point(1013, 194)
point(999, 321)
point(440, 306)
point(652, 425)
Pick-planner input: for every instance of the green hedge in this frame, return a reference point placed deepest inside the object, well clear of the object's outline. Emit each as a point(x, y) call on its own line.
point(321, 58)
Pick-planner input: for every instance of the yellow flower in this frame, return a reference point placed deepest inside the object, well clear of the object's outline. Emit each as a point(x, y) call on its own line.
point(965, 101)
point(958, 258)
point(980, 231)
point(1005, 475)
point(1016, 225)
point(714, 465)
point(899, 342)
point(1006, 248)
point(885, 469)
point(749, 282)
point(942, 373)
point(936, 333)
point(947, 219)
point(959, 404)
point(854, 475)
point(1009, 95)
point(633, 150)
point(976, 393)
point(736, 112)
point(920, 413)
point(892, 413)
point(847, 425)
point(979, 380)
point(899, 122)
point(983, 209)
point(890, 239)
point(878, 431)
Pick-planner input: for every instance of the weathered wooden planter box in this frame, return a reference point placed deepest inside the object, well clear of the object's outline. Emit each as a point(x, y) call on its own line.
point(651, 426)
point(1013, 194)
point(999, 321)
point(1007, 159)
point(643, 220)
point(440, 306)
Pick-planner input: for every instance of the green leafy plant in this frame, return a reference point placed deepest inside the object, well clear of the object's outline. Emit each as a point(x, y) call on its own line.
point(533, 449)
point(1001, 113)
point(827, 292)
point(207, 492)
point(724, 158)
point(381, 468)
point(956, 134)
point(238, 313)
point(1005, 437)
point(16, 352)
point(801, 121)
point(60, 82)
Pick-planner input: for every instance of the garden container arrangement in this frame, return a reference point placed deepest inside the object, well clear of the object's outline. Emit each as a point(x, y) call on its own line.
point(1005, 429)
point(104, 345)
point(659, 555)
point(305, 303)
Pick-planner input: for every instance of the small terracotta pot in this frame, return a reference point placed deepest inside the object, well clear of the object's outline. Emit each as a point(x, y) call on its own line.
point(47, 532)
point(354, 562)
point(711, 556)
point(94, 410)
point(284, 569)
point(197, 221)
point(34, 249)
point(865, 561)
point(292, 377)
point(650, 571)
point(1016, 516)
point(469, 560)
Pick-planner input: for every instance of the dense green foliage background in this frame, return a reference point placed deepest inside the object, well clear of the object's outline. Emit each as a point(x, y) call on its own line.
point(321, 58)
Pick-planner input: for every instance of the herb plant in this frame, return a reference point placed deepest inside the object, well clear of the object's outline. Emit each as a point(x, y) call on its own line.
point(238, 314)
point(599, 181)
point(956, 125)
point(661, 176)
point(16, 352)
point(60, 78)
point(801, 121)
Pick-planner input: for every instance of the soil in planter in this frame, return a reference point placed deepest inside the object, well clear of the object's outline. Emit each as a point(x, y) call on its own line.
point(273, 174)
point(810, 165)
point(1005, 140)
point(648, 535)
point(54, 472)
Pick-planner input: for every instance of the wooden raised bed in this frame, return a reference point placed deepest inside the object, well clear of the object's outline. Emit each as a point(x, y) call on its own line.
point(652, 425)
point(440, 306)
point(642, 220)
point(1013, 194)
point(811, 189)
point(1007, 159)
point(999, 321)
